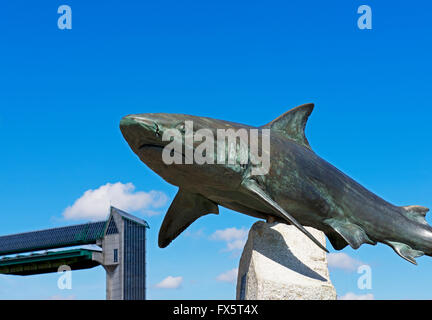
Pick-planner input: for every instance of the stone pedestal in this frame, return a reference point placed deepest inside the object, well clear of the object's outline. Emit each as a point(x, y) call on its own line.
point(280, 263)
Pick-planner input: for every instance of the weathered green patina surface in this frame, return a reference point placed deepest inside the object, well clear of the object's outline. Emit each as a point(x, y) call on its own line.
point(300, 188)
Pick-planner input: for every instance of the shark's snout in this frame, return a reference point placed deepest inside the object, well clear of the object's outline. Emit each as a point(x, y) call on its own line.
point(140, 129)
point(136, 120)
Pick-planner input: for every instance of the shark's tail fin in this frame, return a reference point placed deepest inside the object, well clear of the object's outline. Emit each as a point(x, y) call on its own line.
point(343, 233)
point(416, 214)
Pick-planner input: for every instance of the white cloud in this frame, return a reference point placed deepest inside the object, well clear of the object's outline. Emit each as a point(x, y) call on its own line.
point(236, 245)
point(230, 234)
point(194, 234)
point(229, 276)
point(340, 260)
point(170, 283)
point(94, 204)
point(235, 238)
point(353, 296)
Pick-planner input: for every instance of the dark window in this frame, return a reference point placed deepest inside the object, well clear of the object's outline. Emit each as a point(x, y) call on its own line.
point(115, 255)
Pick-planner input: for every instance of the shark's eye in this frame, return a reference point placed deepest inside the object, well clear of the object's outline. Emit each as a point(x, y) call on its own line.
point(157, 131)
point(181, 127)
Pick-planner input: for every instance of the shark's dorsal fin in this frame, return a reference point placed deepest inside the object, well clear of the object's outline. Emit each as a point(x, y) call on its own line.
point(416, 213)
point(292, 124)
point(185, 209)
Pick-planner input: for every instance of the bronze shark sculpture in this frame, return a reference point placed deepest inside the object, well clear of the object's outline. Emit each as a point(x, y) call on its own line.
point(300, 188)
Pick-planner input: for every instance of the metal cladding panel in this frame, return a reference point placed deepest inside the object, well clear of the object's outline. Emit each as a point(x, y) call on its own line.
point(47, 262)
point(112, 227)
point(134, 260)
point(52, 238)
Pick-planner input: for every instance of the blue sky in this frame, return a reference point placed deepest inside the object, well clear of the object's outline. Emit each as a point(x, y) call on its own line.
point(63, 93)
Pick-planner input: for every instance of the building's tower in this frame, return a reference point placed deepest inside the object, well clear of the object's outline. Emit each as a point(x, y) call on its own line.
point(123, 256)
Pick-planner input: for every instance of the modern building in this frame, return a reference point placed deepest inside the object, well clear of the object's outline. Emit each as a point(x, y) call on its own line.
point(122, 253)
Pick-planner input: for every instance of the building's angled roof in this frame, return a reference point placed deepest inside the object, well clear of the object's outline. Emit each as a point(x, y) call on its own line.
point(130, 217)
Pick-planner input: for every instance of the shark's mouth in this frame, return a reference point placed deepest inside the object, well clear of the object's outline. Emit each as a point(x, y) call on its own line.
point(156, 146)
point(149, 145)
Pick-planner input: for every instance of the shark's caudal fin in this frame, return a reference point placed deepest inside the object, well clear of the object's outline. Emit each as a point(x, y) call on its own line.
point(292, 124)
point(344, 232)
point(416, 214)
point(185, 209)
point(254, 189)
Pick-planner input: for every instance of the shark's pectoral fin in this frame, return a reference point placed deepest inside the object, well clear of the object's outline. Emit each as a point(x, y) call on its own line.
point(405, 251)
point(185, 209)
point(256, 190)
point(416, 213)
point(336, 240)
point(353, 234)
